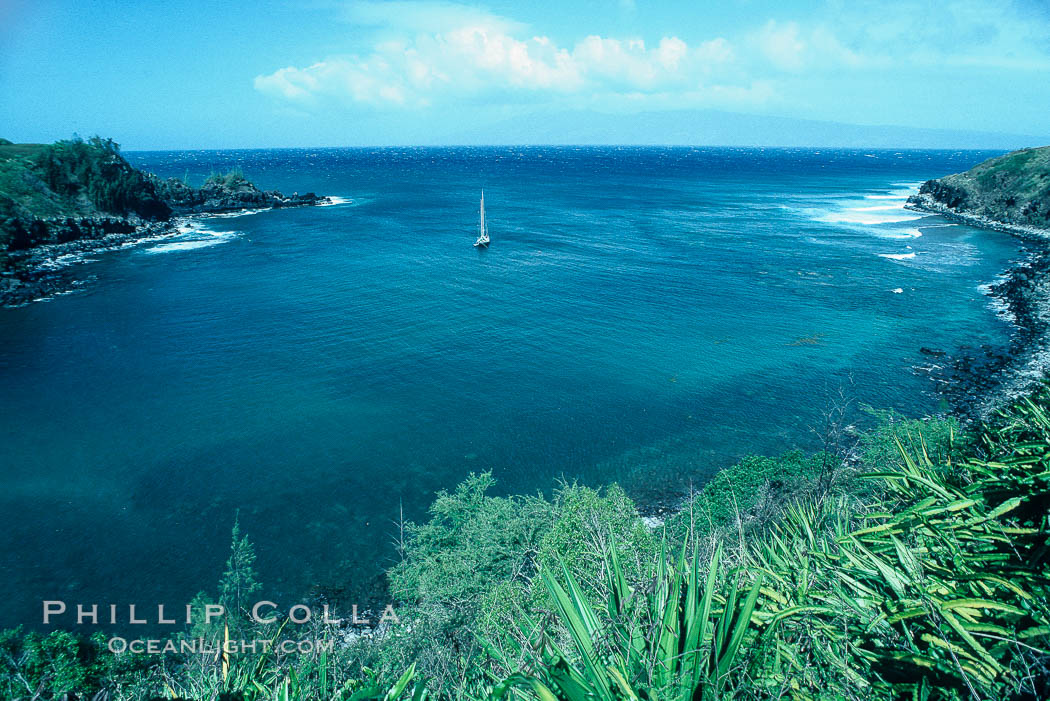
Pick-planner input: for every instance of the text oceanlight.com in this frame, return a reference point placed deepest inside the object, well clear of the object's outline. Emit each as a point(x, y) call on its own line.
point(200, 646)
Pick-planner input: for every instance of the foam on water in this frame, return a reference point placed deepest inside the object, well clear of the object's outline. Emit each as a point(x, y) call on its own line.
point(183, 245)
point(901, 234)
point(238, 213)
point(876, 208)
point(333, 200)
point(64, 260)
point(898, 256)
point(192, 234)
point(997, 303)
point(877, 214)
point(860, 216)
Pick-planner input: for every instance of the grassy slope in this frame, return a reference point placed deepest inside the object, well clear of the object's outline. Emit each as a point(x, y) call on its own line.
point(22, 190)
point(11, 150)
point(1014, 188)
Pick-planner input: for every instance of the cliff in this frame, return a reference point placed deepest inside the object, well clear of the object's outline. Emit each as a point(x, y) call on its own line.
point(69, 190)
point(1010, 193)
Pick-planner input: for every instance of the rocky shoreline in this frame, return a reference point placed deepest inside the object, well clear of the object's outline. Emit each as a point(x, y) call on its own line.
point(1011, 194)
point(42, 272)
point(63, 202)
point(978, 381)
point(926, 203)
point(990, 378)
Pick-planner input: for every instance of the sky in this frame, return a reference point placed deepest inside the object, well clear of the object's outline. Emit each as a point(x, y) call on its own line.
point(205, 74)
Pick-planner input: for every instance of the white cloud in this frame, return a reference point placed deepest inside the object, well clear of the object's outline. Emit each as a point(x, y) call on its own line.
point(995, 34)
point(789, 47)
point(782, 45)
point(476, 53)
point(425, 52)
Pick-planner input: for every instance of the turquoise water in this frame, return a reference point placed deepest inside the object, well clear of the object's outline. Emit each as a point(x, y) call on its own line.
point(643, 315)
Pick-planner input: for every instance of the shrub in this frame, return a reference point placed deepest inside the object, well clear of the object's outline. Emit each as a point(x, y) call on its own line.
point(231, 179)
point(45, 665)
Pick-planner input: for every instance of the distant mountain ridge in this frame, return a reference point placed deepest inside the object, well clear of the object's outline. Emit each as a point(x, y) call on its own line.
point(1009, 192)
point(717, 128)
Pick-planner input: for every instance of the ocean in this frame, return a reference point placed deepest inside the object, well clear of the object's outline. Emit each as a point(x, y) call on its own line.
point(643, 315)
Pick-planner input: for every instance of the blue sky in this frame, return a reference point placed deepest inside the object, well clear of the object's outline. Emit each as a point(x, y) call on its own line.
point(182, 74)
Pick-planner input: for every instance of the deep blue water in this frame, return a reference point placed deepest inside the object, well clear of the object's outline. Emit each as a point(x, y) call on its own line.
point(643, 315)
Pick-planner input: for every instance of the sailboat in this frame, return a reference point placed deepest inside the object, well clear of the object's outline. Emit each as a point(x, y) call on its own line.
point(483, 229)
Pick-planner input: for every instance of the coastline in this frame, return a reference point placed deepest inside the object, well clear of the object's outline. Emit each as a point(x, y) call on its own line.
point(925, 204)
point(985, 380)
point(42, 272)
point(976, 381)
point(63, 202)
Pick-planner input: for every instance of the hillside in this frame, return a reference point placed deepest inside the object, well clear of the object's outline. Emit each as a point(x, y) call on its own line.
point(74, 197)
point(52, 193)
point(76, 189)
point(1011, 191)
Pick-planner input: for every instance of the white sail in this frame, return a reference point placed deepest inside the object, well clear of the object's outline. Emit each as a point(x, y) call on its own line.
point(483, 230)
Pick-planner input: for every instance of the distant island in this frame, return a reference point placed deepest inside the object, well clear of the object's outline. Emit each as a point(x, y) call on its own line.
point(76, 196)
point(1008, 193)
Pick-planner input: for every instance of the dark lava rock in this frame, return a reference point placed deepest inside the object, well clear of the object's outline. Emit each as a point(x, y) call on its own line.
point(226, 194)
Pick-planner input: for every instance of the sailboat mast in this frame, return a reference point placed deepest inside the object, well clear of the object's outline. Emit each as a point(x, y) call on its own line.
point(483, 230)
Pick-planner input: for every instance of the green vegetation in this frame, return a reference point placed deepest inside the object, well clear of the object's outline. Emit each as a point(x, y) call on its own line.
point(1014, 188)
point(46, 666)
point(749, 495)
point(230, 180)
point(912, 565)
point(239, 581)
point(71, 179)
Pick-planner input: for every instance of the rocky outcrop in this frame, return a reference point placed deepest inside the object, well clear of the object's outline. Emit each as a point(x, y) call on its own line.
point(1008, 193)
point(62, 201)
point(227, 193)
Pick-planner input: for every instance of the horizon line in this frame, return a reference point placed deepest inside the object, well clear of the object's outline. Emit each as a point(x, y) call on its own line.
point(840, 147)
